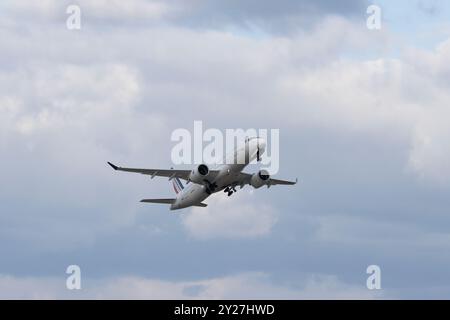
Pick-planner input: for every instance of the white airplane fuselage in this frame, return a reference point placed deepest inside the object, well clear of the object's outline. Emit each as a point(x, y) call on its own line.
point(233, 165)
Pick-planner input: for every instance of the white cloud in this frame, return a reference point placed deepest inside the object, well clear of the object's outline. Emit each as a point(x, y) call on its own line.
point(60, 125)
point(393, 99)
point(238, 216)
point(429, 154)
point(30, 287)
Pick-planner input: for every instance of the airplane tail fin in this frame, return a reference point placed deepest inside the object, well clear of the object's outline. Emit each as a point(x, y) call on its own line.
point(166, 201)
point(177, 185)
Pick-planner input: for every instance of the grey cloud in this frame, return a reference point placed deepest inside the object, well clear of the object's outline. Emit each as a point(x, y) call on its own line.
point(246, 15)
point(250, 285)
point(278, 16)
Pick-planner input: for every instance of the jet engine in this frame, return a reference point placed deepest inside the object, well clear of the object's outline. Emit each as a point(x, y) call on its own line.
point(259, 179)
point(199, 174)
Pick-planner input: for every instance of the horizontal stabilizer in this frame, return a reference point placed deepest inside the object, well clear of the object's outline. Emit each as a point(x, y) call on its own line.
point(166, 201)
point(201, 204)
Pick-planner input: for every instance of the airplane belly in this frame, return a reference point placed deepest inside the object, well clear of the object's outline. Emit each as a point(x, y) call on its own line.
point(194, 196)
point(229, 174)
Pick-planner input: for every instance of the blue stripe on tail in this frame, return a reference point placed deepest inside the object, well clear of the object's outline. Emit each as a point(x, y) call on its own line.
point(177, 185)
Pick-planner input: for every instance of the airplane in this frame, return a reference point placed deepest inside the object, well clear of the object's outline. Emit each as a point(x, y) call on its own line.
point(203, 182)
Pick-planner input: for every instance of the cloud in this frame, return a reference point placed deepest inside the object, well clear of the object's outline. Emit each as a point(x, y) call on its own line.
point(252, 285)
point(119, 11)
point(60, 126)
point(341, 229)
point(102, 12)
point(239, 216)
point(363, 124)
point(281, 17)
point(429, 155)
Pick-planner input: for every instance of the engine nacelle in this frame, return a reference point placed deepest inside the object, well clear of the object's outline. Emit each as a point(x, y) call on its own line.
point(259, 179)
point(199, 174)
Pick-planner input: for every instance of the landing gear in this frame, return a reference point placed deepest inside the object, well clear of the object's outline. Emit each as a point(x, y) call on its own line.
point(230, 190)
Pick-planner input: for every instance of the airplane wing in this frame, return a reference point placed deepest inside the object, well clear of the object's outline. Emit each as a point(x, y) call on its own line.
point(169, 173)
point(244, 178)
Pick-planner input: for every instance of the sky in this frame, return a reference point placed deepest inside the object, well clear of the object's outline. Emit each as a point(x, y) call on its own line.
point(363, 119)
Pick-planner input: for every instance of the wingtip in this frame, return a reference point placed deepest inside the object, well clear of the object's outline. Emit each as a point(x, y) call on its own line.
point(113, 166)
